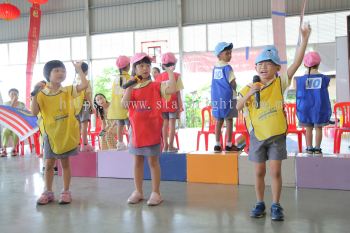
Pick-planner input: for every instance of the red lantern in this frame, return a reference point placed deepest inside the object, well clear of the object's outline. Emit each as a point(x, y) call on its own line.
point(40, 2)
point(9, 11)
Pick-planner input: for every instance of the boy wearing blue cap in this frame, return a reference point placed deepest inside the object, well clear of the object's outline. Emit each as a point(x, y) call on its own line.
point(267, 124)
point(223, 95)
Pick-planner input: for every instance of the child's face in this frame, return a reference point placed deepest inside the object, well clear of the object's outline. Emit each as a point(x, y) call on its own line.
point(143, 70)
point(155, 72)
point(225, 55)
point(13, 95)
point(100, 100)
point(58, 75)
point(266, 70)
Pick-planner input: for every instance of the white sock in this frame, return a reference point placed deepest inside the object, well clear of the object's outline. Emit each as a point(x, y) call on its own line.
point(229, 144)
point(217, 144)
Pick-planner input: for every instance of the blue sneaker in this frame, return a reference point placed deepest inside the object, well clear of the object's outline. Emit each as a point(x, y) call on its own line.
point(277, 212)
point(258, 211)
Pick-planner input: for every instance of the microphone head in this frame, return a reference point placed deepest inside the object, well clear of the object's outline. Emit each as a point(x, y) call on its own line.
point(256, 79)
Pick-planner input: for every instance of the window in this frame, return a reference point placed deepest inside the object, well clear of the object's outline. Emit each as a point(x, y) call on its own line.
point(262, 32)
point(78, 48)
point(18, 53)
point(56, 49)
point(4, 54)
point(238, 33)
point(112, 45)
point(194, 38)
point(168, 35)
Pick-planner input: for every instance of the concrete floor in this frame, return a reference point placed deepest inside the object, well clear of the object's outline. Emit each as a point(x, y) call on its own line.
point(99, 205)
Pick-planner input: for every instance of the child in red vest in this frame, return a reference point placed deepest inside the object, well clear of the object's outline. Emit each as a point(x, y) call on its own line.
point(172, 107)
point(144, 101)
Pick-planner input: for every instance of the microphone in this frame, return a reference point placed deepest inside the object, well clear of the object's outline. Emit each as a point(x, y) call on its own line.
point(256, 79)
point(132, 82)
point(37, 89)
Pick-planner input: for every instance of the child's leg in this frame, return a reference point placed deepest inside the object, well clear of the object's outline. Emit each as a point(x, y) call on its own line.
point(83, 131)
point(66, 173)
point(218, 127)
point(260, 171)
point(120, 129)
point(165, 132)
point(138, 172)
point(49, 173)
point(5, 137)
point(276, 181)
point(103, 141)
point(172, 122)
point(229, 128)
point(110, 138)
point(308, 136)
point(153, 162)
point(318, 137)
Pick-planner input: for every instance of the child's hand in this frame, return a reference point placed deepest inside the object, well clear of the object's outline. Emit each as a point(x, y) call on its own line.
point(169, 69)
point(254, 88)
point(305, 30)
point(77, 66)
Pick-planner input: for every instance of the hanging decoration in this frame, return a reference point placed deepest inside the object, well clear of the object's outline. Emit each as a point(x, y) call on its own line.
point(33, 43)
point(40, 2)
point(9, 11)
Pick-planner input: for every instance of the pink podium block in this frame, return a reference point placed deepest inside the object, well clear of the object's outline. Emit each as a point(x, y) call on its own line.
point(83, 164)
point(115, 164)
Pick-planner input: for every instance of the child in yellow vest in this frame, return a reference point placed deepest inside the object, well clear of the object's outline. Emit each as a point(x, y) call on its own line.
point(84, 110)
point(61, 128)
point(267, 124)
point(116, 111)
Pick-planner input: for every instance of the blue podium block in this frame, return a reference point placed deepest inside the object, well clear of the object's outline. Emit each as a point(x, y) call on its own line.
point(173, 167)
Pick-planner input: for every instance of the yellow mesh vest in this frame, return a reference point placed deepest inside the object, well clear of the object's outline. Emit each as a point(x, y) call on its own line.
point(269, 120)
point(59, 122)
point(116, 111)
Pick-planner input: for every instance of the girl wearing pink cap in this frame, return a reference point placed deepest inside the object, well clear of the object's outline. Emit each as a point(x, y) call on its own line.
point(312, 101)
point(172, 107)
point(116, 111)
point(144, 101)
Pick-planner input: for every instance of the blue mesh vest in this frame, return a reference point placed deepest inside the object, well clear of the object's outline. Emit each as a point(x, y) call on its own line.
point(313, 105)
point(221, 92)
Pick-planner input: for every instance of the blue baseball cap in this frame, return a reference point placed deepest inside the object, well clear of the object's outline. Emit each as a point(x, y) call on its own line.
point(269, 53)
point(221, 47)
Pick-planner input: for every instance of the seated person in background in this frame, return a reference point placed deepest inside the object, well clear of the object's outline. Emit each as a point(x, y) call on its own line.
point(7, 134)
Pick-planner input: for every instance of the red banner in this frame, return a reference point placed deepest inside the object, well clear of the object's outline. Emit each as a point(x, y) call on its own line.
point(33, 43)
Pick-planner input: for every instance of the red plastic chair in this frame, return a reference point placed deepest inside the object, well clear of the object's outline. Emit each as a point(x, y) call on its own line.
point(96, 132)
point(125, 133)
point(290, 110)
point(206, 131)
point(342, 123)
point(242, 130)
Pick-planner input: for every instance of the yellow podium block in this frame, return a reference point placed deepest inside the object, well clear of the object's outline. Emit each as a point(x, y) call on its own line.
point(215, 168)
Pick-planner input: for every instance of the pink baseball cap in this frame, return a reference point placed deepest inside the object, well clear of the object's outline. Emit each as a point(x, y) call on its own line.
point(138, 57)
point(312, 59)
point(122, 61)
point(168, 58)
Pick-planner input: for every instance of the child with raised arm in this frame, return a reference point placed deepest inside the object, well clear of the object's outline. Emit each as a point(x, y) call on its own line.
point(173, 107)
point(267, 125)
point(144, 101)
point(61, 128)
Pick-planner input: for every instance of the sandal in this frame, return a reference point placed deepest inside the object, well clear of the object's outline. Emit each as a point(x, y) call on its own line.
point(14, 153)
point(3, 153)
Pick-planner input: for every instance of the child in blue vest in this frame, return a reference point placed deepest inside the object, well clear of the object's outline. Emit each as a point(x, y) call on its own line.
point(267, 124)
point(313, 105)
point(223, 95)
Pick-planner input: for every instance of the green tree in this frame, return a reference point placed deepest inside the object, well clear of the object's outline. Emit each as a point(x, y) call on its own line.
point(103, 83)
